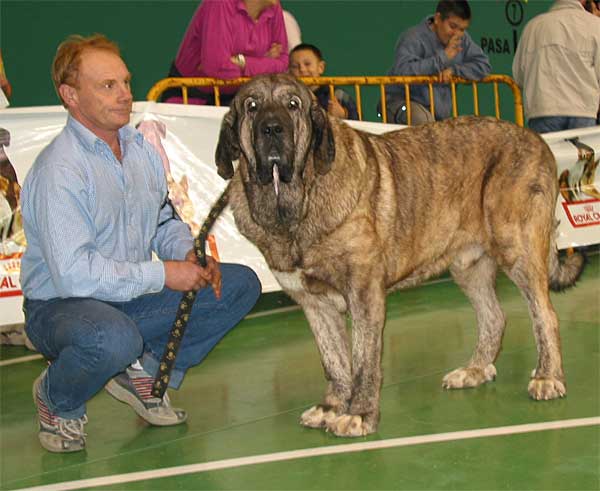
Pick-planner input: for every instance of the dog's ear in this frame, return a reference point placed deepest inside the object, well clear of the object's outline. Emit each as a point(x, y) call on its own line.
point(228, 147)
point(322, 139)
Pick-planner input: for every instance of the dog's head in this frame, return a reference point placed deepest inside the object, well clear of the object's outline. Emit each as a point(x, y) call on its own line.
point(277, 131)
point(273, 123)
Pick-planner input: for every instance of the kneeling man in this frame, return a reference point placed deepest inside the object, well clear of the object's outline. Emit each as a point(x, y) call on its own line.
point(95, 208)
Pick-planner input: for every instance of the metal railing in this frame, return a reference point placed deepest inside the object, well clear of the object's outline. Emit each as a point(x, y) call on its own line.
point(358, 82)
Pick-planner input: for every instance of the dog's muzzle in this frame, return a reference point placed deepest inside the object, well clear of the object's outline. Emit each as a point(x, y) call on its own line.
point(274, 136)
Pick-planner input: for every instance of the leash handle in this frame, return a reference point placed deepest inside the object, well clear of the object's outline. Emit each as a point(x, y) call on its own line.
point(167, 361)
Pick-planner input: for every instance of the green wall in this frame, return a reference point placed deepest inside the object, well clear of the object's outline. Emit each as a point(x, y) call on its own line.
point(357, 37)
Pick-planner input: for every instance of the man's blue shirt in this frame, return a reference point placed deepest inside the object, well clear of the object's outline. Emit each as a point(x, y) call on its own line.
point(92, 222)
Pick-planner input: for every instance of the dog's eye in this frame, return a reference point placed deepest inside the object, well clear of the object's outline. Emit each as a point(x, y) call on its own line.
point(251, 105)
point(294, 103)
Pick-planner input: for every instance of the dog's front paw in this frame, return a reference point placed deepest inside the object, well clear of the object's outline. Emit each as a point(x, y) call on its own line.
point(544, 389)
point(469, 377)
point(350, 425)
point(317, 416)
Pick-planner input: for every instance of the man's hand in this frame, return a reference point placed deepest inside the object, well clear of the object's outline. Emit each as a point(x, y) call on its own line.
point(454, 46)
point(212, 272)
point(336, 109)
point(446, 75)
point(274, 51)
point(189, 275)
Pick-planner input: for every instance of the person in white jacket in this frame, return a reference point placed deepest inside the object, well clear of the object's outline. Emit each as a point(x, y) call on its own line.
point(557, 66)
point(292, 29)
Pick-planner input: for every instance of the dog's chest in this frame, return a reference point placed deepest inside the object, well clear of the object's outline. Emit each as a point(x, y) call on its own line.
point(291, 282)
point(309, 291)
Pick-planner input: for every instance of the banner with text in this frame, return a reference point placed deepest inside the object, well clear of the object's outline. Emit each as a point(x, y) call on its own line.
point(186, 138)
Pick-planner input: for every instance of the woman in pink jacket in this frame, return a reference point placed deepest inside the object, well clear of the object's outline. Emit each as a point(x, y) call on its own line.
point(228, 39)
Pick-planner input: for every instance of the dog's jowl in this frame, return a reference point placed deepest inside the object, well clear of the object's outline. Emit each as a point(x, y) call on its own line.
point(342, 217)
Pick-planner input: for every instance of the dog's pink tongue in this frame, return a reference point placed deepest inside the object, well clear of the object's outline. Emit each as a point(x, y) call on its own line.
point(276, 179)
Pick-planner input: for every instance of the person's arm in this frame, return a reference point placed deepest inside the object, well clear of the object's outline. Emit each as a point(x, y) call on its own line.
point(517, 68)
point(60, 211)
point(335, 108)
point(210, 275)
point(347, 103)
point(518, 64)
point(215, 35)
point(174, 244)
point(217, 49)
point(475, 63)
point(410, 58)
point(256, 65)
point(173, 237)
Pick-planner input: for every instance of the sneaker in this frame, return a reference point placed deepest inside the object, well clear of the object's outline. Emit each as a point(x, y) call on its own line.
point(134, 387)
point(57, 434)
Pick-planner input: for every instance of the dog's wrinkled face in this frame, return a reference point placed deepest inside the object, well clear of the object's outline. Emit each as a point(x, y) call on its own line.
point(273, 124)
point(272, 128)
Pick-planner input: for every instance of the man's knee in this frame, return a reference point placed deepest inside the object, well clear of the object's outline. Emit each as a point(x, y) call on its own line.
point(241, 287)
point(418, 114)
point(243, 279)
point(397, 112)
point(120, 343)
point(393, 109)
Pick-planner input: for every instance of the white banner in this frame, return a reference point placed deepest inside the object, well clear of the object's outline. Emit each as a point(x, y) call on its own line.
point(186, 137)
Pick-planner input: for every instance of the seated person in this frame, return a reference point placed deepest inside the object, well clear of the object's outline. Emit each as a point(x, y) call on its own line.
point(306, 60)
point(292, 29)
point(440, 45)
point(229, 39)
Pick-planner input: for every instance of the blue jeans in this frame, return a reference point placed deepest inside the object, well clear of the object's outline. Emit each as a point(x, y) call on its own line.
point(548, 124)
point(88, 341)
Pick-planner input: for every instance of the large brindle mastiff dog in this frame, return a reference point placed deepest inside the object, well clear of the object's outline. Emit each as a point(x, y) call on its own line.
point(342, 217)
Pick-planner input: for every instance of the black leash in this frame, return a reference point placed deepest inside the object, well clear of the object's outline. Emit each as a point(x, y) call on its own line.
point(167, 361)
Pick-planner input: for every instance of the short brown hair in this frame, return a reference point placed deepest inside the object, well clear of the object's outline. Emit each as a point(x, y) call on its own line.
point(65, 67)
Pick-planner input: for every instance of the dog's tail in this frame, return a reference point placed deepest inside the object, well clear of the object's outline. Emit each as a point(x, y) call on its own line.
point(564, 272)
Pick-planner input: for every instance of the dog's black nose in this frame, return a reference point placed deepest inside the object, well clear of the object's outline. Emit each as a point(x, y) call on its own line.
point(271, 128)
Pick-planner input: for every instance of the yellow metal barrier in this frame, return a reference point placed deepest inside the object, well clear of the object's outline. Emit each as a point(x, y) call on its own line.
point(184, 83)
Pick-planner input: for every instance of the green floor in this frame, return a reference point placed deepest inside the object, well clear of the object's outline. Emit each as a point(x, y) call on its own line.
point(246, 398)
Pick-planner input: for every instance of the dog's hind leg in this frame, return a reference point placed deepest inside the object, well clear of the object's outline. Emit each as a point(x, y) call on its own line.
point(328, 324)
point(478, 280)
point(530, 275)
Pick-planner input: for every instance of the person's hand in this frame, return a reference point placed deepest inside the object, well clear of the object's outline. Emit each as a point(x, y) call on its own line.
point(336, 109)
point(189, 275)
point(183, 276)
point(239, 60)
point(454, 46)
point(274, 51)
point(212, 272)
point(446, 75)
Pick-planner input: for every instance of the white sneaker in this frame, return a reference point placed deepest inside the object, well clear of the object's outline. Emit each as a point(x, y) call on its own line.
point(134, 387)
point(57, 434)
